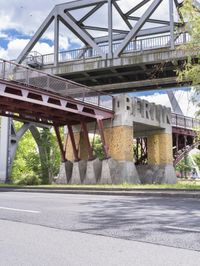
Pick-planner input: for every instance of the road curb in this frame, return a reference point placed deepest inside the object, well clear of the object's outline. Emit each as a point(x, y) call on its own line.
point(111, 192)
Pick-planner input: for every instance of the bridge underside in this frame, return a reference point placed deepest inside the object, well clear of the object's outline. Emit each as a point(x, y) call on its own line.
point(153, 69)
point(30, 104)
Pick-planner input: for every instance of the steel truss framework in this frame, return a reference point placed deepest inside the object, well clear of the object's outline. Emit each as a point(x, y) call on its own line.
point(134, 25)
point(29, 104)
point(141, 151)
point(22, 100)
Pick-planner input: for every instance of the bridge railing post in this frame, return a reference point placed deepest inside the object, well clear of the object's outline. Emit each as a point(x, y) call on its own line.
point(3, 69)
point(141, 48)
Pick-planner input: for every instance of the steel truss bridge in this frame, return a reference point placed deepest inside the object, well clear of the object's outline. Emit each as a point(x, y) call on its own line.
point(133, 48)
point(30, 95)
point(136, 51)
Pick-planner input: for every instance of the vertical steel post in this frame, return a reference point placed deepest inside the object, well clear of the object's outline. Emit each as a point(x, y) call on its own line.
point(56, 39)
point(177, 142)
point(4, 148)
point(57, 131)
point(105, 147)
point(85, 132)
point(75, 150)
point(171, 16)
point(110, 25)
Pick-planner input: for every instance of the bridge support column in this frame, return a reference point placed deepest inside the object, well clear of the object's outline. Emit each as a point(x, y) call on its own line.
point(160, 159)
point(120, 168)
point(78, 150)
point(4, 146)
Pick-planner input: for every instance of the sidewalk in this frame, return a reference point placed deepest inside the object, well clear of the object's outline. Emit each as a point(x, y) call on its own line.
point(109, 191)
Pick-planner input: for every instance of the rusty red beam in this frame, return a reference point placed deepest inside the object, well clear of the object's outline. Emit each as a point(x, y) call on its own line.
point(75, 150)
point(60, 143)
point(32, 95)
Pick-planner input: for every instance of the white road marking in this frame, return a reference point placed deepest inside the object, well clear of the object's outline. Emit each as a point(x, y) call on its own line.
point(183, 229)
point(18, 210)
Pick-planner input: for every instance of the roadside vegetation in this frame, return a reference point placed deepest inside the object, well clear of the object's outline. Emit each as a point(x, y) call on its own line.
point(182, 185)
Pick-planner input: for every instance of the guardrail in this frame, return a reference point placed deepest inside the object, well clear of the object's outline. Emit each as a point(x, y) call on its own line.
point(138, 45)
point(185, 121)
point(11, 71)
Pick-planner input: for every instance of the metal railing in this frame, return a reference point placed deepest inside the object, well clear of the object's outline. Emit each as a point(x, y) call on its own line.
point(11, 71)
point(179, 157)
point(185, 122)
point(134, 46)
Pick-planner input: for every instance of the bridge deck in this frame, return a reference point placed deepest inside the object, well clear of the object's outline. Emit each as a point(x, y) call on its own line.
point(146, 63)
point(32, 95)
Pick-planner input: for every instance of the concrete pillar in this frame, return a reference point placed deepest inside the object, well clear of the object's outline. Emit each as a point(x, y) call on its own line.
point(78, 168)
point(120, 168)
point(159, 148)
point(120, 141)
point(160, 168)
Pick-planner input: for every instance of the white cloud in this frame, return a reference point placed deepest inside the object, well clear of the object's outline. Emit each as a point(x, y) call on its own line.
point(16, 46)
point(183, 97)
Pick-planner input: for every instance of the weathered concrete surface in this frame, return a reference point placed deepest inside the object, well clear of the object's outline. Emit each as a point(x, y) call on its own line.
point(159, 149)
point(118, 172)
point(65, 173)
point(157, 174)
point(93, 172)
point(108, 173)
point(133, 117)
point(78, 172)
point(120, 141)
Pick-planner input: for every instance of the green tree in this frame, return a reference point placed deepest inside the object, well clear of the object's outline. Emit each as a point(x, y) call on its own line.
point(26, 166)
point(37, 159)
point(98, 148)
point(191, 69)
point(184, 167)
point(49, 153)
point(196, 158)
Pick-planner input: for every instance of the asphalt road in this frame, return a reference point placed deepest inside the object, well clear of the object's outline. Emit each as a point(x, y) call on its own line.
point(60, 229)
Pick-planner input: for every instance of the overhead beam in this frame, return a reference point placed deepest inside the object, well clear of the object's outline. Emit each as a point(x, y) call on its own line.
point(68, 21)
point(110, 29)
point(137, 7)
point(171, 16)
point(95, 28)
point(80, 4)
point(145, 32)
point(123, 16)
point(155, 21)
point(137, 27)
point(91, 12)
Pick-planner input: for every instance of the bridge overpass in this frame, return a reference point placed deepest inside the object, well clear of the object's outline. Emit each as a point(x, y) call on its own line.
point(134, 49)
point(142, 54)
point(145, 64)
point(30, 95)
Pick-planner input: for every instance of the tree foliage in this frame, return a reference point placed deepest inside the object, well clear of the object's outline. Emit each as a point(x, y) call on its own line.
point(37, 159)
point(191, 69)
point(98, 148)
point(184, 167)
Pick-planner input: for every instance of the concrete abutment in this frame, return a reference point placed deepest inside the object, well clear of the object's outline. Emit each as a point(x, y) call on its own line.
point(133, 118)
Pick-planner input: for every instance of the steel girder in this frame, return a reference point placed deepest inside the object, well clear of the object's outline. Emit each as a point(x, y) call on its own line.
point(30, 104)
point(80, 27)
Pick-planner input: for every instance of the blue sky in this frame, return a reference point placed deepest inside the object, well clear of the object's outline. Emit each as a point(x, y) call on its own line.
point(19, 19)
